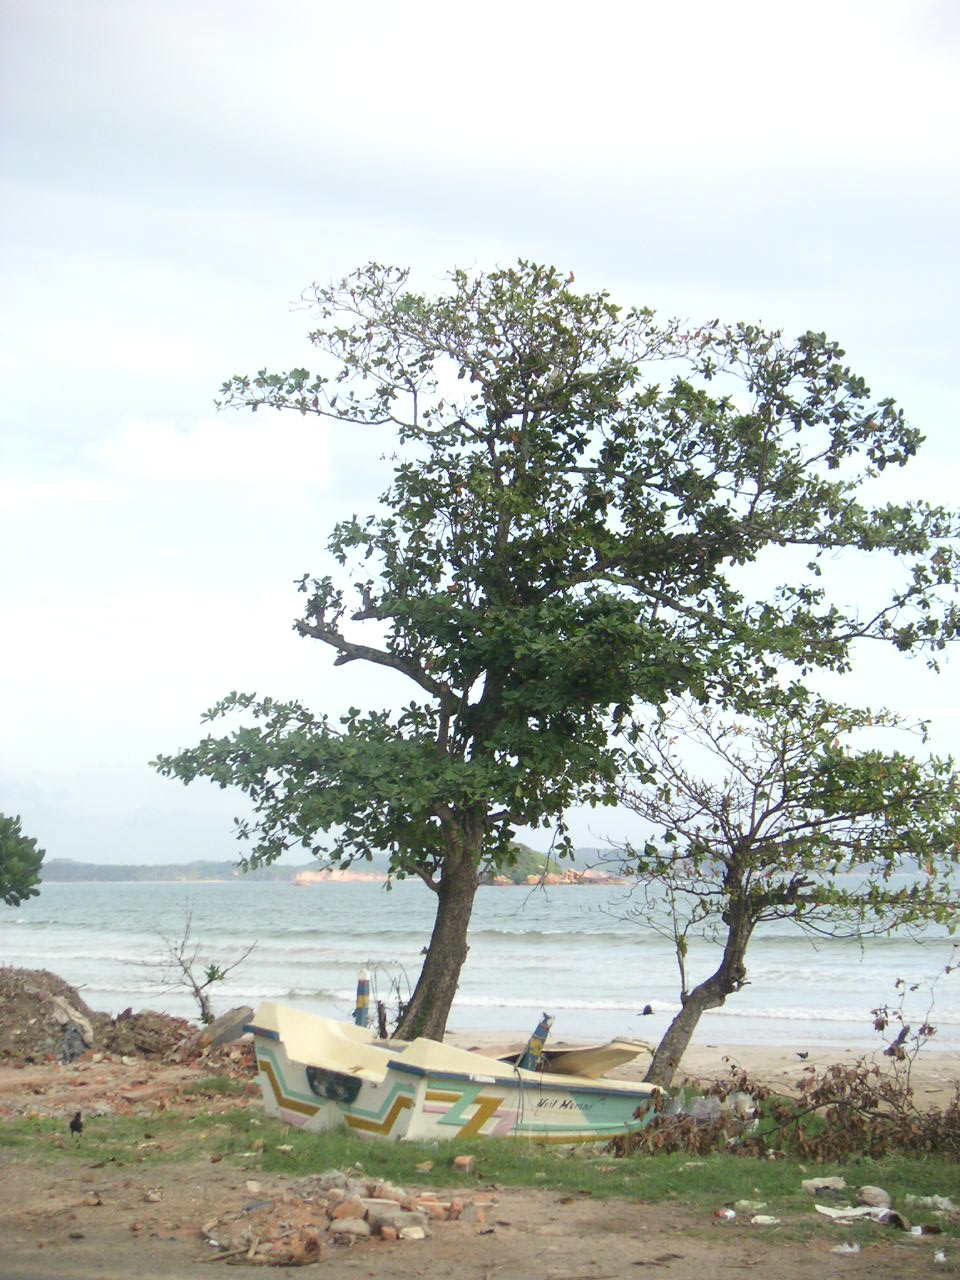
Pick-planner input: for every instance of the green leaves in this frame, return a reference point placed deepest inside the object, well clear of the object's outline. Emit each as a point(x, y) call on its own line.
point(802, 812)
point(20, 863)
point(577, 489)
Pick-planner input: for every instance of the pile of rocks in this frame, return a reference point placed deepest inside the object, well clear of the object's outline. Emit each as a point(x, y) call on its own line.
point(334, 1208)
point(44, 1019)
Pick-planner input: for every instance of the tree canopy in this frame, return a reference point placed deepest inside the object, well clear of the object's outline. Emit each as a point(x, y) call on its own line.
point(20, 862)
point(576, 489)
point(804, 811)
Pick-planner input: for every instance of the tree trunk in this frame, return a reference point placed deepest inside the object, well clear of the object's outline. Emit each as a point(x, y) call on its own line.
point(709, 994)
point(429, 1007)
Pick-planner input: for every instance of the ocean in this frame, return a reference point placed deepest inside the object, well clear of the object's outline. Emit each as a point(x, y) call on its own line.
point(567, 950)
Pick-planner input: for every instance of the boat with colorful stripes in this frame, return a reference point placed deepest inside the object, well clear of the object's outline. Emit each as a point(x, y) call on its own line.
point(317, 1074)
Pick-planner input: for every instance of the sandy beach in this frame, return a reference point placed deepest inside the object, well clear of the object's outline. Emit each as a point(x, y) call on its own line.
point(934, 1073)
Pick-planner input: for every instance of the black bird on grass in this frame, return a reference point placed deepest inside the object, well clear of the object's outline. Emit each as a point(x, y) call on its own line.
point(76, 1125)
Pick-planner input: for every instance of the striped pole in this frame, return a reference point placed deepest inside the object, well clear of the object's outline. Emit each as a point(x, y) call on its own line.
point(361, 1014)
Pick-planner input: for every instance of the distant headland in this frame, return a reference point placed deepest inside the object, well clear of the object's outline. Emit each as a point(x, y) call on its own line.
point(529, 868)
point(66, 870)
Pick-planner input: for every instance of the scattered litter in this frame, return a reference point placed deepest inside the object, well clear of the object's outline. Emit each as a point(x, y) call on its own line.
point(727, 1215)
point(848, 1213)
point(943, 1204)
point(845, 1248)
point(939, 1256)
point(751, 1206)
point(706, 1108)
point(816, 1186)
point(764, 1220)
point(871, 1213)
point(875, 1196)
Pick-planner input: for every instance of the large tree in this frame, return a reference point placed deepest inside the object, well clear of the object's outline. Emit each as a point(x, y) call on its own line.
point(575, 491)
point(806, 811)
point(20, 861)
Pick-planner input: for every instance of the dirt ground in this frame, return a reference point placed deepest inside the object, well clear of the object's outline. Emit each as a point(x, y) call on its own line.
point(97, 1222)
point(75, 1222)
point(69, 1220)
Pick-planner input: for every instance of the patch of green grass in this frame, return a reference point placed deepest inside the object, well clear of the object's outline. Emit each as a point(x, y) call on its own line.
point(161, 1138)
point(219, 1086)
point(699, 1183)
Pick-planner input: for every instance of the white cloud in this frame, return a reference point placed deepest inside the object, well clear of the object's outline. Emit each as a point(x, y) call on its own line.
point(265, 449)
point(59, 490)
point(176, 173)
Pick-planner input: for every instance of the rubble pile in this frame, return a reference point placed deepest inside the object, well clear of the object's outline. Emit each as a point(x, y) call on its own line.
point(334, 1208)
point(44, 1019)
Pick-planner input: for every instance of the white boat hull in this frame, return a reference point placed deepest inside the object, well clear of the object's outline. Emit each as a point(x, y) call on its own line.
point(318, 1074)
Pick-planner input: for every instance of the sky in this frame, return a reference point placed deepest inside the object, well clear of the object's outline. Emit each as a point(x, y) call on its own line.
point(173, 175)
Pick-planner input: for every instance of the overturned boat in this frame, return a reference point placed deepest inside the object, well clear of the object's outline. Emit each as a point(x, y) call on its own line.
point(317, 1074)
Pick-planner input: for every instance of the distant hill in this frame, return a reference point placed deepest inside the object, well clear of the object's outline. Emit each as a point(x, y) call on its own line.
point(64, 870)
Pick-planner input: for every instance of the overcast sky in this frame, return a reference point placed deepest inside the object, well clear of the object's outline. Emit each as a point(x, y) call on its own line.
point(174, 174)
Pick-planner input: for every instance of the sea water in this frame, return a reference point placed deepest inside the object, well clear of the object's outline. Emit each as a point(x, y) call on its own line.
point(571, 951)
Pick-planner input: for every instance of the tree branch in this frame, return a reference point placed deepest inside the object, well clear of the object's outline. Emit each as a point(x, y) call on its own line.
point(348, 651)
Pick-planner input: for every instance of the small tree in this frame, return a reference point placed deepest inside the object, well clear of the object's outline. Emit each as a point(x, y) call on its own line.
point(577, 489)
point(20, 862)
point(794, 816)
point(179, 965)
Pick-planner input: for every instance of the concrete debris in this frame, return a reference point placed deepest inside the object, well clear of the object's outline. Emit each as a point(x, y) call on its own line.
point(70, 1047)
point(66, 1014)
point(334, 1209)
point(228, 1028)
point(44, 1019)
point(355, 1228)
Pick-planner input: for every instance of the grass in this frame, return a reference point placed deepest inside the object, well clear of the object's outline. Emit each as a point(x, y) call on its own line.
point(701, 1184)
point(165, 1137)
